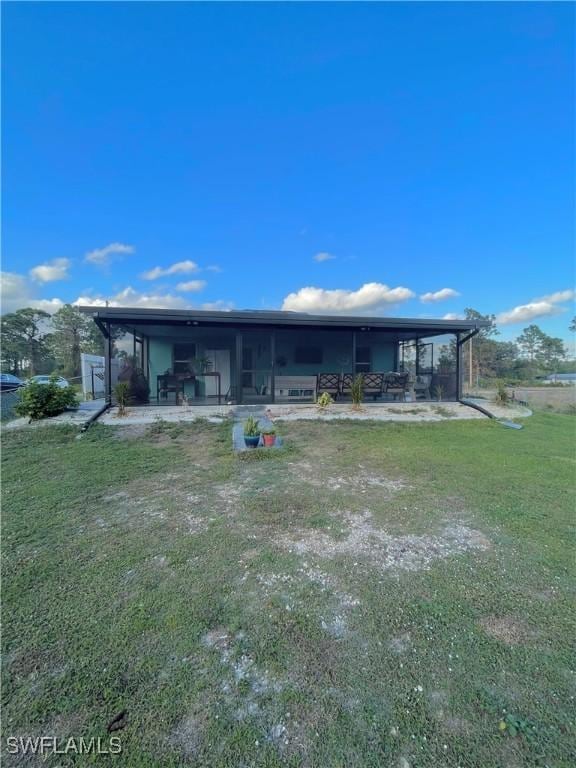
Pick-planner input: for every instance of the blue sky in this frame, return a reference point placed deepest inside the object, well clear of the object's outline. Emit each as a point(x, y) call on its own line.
point(345, 158)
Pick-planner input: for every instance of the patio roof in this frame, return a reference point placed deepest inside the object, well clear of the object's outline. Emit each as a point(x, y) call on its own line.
point(129, 316)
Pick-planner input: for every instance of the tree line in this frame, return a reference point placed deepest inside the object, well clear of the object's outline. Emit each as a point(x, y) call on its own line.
point(34, 341)
point(531, 355)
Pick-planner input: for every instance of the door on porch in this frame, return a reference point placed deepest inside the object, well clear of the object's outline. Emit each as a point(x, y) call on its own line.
point(257, 367)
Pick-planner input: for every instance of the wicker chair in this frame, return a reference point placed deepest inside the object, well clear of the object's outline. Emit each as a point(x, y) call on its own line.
point(373, 383)
point(329, 382)
point(167, 383)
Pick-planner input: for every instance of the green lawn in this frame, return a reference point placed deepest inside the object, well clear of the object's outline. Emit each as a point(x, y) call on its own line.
point(373, 595)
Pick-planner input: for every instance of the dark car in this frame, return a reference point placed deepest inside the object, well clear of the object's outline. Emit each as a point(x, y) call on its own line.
point(8, 381)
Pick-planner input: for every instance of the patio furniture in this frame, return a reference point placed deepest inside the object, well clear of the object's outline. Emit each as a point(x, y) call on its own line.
point(166, 383)
point(295, 387)
point(176, 382)
point(421, 387)
point(396, 384)
point(330, 383)
point(373, 384)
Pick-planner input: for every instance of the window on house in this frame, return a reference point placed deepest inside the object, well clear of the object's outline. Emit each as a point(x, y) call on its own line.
point(308, 355)
point(183, 355)
point(363, 359)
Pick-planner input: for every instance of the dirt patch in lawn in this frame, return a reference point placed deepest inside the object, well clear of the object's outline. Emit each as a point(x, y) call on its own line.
point(188, 735)
point(507, 629)
point(361, 481)
point(363, 539)
point(400, 643)
point(246, 689)
point(288, 588)
point(142, 503)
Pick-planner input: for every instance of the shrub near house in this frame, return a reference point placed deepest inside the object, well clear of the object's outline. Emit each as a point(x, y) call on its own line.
point(38, 401)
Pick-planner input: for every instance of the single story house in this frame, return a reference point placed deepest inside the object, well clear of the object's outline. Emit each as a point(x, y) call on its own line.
point(257, 357)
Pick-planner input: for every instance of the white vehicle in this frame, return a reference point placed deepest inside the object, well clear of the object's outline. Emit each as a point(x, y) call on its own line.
point(45, 379)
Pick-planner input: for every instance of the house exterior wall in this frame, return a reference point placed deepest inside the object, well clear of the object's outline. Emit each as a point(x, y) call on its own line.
point(336, 353)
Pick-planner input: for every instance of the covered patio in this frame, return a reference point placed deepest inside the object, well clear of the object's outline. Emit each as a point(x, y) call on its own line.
point(194, 358)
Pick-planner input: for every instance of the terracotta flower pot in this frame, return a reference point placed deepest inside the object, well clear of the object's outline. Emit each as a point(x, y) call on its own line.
point(269, 440)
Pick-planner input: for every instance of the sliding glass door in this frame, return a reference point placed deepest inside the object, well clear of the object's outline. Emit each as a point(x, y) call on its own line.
point(257, 367)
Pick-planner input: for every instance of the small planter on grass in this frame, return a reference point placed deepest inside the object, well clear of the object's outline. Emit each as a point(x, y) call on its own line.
point(269, 437)
point(251, 432)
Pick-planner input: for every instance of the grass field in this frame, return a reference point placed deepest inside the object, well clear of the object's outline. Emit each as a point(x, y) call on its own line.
point(373, 595)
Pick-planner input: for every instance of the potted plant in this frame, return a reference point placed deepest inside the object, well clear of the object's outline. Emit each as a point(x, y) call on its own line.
point(251, 432)
point(269, 437)
point(199, 365)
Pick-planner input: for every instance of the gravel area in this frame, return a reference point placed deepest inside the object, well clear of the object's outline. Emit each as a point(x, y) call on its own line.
point(402, 412)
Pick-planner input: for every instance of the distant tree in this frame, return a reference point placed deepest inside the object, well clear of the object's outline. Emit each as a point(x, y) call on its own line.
point(73, 334)
point(572, 326)
point(503, 358)
point(551, 352)
point(14, 351)
point(25, 332)
point(482, 346)
point(483, 333)
point(530, 341)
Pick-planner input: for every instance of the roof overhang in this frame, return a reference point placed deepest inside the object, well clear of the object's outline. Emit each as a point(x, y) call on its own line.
point(130, 317)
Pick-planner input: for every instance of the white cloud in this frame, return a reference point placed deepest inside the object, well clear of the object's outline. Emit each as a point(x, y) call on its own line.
point(545, 306)
point(102, 256)
point(180, 268)
point(214, 268)
point(57, 269)
point(18, 292)
point(558, 297)
point(48, 305)
point(132, 298)
point(129, 297)
point(369, 296)
point(15, 292)
point(324, 256)
point(192, 286)
point(452, 316)
point(441, 295)
point(531, 311)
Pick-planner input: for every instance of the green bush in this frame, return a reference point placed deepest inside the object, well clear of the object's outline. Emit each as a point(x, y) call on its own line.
point(122, 395)
point(38, 401)
point(439, 392)
point(324, 400)
point(357, 390)
point(139, 387)
point(501, 397)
